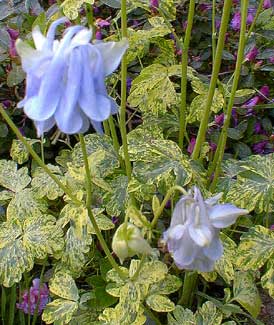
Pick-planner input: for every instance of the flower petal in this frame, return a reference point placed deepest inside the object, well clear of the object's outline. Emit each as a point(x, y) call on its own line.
point(112, 53)
point(224, 215)
point(214, 199)
point(186, 253)
point(200, 234)
point(83, 37)
point(38, 38)
point(97, 126)
point(52, 30)
point(67, 115)
point(215, 250)
point(44, 126)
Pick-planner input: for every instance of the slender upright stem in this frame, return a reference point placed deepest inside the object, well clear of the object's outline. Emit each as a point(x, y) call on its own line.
point(213, 47)
point(217, 63)
point(237, 72)
point(255, 19)
point(106, 128)
point(190, 283)
point(90, 213)
point(182, 118)
point(89, 15)
point(37, 158)
point(124, 92)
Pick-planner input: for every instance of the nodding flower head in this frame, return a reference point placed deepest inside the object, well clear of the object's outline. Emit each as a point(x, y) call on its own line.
point(65, 79)
point(193, 235)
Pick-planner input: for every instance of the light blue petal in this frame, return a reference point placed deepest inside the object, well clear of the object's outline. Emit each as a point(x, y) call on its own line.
point(44, 126)
point(67, 115)
point(224, 215)
point(200, 234)
point(112, 53)
point(97, 127)
point(83, 37)
point(38, 38)
point(215, 250)
point(52, 30)
point(32, 89)
point(187, 251)
point(44, 105)
point(201, 264)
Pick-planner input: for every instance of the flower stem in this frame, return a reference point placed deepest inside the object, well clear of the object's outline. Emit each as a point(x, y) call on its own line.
point(190, 283)
point(90, 213)
point(213, 47)
point(12, 303)
point(90, 18)
point(124, 92)
point(237, 72)
point(182, 117)
point(164, 202)
point(255, 19)
point(36, 157)
point(217, 63)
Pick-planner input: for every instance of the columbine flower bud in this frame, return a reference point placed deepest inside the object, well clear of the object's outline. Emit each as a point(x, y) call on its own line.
point(128, 241)
point(193, 235)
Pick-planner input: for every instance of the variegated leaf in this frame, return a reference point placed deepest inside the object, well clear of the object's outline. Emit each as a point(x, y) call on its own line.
point(43, 185)
point(11, 178)
point(63, 285)
point(256, 247)
point(181, 316)
point(59, 311)
point(267, 279)
point(168, 285)
point(160, 303)
point(246, 293)
point(208, 314)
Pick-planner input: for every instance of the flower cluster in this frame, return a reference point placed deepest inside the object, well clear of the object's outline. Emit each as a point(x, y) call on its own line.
point(193, 235)
point(35, 295)
point(65, 79)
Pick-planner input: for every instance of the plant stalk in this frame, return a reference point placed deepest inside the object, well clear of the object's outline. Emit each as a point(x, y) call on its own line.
point(216, 68)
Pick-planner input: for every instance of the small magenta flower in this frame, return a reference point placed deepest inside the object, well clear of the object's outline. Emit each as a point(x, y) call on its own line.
point(251, 55)
point(154, 4)
point(193, 235)
point(191, 145)
point(267, 4)
point(271, 59)
point(219, 119)
point(65, 79)
point(259, 147)
point(236, 21)
point(36, 295)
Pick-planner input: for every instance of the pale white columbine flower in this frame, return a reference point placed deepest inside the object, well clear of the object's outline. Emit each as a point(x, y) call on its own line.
point(193, 235)
point(65, 79)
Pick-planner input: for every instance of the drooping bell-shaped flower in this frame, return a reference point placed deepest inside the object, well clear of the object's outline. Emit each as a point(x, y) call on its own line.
point(128, 241)
point(193, 235)
point(65, 79)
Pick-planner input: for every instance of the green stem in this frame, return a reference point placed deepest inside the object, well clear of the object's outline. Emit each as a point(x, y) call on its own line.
point(255, 19)
point(214, 34)
point(182, 117)
point(217, 63)
point(123, 129)
point(3, 304)
point(190, 283)
point(89, 15)
point(90, 213)
point(106, 128)
point(114, 136)
point(237, 73)
point(12, 303)
point(164, 202)
point(36, 157)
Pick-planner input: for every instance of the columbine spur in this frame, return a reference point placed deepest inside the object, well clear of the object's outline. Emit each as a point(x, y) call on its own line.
point(193, 235)
point(65, 79)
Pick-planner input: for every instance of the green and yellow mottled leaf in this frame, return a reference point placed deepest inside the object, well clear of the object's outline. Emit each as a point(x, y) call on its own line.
point(113, 276)
point(208, 314)
point(246, 293)
point(20, 245)
point(59, 311)
point(267, 279)
point(181, 316)
point(15, 259)
point(152, 91)
point(19, 152)
point(209, 276)
point(197, 106)
point(43, 185)
point(103, 222)
point(160, 303)
point(25, 204)
point(11, 178)
point(256, 247)
point(224, 266)
point(254, 188)
point(5, 196)
point(152, 272)
point(63, 285)
point(136, 217)
point(115, 201)
point(168, 285)
point(71, 7)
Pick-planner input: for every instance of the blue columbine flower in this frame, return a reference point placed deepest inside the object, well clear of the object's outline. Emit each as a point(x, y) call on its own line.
point(65, 79)
point(193, 235)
